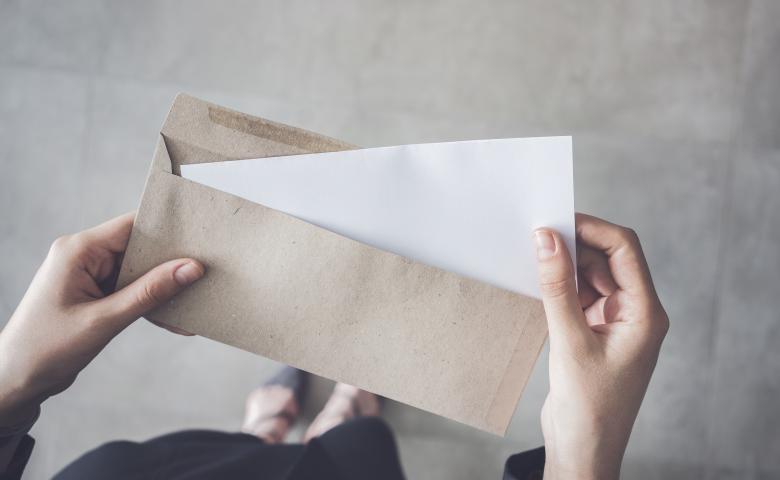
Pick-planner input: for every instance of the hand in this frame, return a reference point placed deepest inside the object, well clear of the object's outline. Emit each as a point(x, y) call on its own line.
point(68, 314)
point(604, 344)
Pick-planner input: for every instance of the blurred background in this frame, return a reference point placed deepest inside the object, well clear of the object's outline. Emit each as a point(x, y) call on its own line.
point(674, 106)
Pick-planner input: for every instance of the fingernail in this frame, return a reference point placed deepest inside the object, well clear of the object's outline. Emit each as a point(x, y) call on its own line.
point(187, 273)
point(545, 244)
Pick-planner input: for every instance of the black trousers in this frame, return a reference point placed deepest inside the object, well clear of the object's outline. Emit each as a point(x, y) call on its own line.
point(358, 449)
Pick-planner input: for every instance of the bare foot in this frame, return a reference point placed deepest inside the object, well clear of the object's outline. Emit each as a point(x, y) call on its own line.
point(345, 402)
point(270, 412)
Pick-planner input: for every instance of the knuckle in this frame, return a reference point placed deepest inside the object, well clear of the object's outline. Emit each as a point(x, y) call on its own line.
point(79, 242)
point(657, 326)
point(60, 243)
point(149, 294)
point(629, 235)
point(663, 323)
point(555, 288)
point(69, 245)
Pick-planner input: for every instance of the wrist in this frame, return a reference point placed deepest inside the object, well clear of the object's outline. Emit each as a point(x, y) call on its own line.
point(596, 455)
point(593, 468)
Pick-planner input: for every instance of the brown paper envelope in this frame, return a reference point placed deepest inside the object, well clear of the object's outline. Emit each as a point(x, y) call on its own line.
point(299, 294)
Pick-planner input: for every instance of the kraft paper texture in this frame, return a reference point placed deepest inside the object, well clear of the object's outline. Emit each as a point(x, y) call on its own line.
point(298, 294)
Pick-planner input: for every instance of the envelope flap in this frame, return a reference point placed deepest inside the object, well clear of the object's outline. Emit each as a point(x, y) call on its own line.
point(196, 131)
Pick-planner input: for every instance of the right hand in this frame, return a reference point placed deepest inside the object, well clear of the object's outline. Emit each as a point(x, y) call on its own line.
point(70, 313)
point(604, 344)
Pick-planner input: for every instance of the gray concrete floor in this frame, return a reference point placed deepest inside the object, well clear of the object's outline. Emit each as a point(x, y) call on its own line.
point(675, 110)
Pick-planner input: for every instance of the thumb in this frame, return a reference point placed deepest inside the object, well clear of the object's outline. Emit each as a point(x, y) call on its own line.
point(565, 318)
point(153, 289)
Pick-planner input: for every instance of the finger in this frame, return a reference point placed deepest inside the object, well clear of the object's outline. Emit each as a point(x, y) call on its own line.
point(559, 293)
point(97, 249)
point(593, 268)
point(626, 260)
point(594, 314)
point(112, 235)
point(587, 294)
point(154, 288)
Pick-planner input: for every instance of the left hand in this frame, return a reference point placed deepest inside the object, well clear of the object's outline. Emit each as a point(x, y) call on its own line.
point(69, 314)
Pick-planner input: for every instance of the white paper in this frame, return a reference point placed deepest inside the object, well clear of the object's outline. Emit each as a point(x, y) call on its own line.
point(467, 207)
